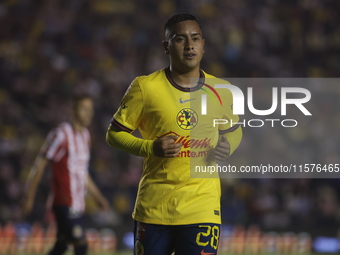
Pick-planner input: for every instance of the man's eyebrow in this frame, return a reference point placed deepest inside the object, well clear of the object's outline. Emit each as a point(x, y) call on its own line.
point(184, 35)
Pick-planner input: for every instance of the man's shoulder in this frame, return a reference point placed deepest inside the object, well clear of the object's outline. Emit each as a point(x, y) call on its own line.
point(214, 78)
point(212, 81)
point(206, 75)
point(58, 134)
point(61, 128)
point(156, 76)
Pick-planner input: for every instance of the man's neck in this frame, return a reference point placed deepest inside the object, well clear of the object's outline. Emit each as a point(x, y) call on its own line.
point(185, 79)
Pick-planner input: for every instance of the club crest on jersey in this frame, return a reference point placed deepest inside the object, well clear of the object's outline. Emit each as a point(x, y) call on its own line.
point(187, 118)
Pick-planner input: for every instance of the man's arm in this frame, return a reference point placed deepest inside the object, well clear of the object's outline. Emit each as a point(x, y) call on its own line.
point(127, 142)
point(161, 147)
point(33, 180)
point(127, 119)
point(94, 191)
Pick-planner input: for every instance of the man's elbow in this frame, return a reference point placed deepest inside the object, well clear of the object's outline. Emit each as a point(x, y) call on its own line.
point(109, 139)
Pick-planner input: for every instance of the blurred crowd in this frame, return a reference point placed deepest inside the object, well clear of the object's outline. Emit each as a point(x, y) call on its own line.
point(51, 49)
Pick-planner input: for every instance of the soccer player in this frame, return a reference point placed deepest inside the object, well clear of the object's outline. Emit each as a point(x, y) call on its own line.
point(176, 210)
point(67, 148)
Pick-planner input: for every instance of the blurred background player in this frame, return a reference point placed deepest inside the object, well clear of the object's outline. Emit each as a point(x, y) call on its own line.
point(67, 148)
point(173, 211)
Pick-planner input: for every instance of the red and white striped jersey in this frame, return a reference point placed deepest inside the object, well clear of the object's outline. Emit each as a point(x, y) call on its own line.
point(69, 152)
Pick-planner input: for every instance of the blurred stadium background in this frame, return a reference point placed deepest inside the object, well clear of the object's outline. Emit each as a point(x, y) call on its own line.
point(50, 49)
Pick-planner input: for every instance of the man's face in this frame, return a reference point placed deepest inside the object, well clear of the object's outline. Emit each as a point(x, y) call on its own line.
point(83, 112)
point(185, 46)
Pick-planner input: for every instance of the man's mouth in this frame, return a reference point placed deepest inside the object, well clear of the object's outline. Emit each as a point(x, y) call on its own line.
point(189, 55)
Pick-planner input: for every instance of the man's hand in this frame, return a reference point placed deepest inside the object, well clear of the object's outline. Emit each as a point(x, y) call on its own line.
point(166, 147)
point(222, 149)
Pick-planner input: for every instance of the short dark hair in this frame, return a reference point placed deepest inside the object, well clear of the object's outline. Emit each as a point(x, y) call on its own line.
point(168, 27)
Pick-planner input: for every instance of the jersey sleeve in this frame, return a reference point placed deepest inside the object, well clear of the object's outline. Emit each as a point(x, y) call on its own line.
point(55, 146)
point(231, 129)
point(130, 110)
point(232, 122)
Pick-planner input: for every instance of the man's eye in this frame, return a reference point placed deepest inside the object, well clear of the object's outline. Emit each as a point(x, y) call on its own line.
point(179, 40)
point(195, 39)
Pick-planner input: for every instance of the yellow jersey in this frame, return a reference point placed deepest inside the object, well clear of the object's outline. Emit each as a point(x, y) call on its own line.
point(171, 191)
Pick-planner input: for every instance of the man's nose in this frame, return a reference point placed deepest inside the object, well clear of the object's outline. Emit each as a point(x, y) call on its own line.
point(189, 45)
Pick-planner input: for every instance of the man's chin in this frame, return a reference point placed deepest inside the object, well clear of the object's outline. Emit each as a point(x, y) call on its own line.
point(190, 66)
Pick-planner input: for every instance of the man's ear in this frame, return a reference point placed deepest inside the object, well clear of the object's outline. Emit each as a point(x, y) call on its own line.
point(166, 47)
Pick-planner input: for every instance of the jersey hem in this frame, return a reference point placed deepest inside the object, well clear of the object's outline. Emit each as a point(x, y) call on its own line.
point(180, 222)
